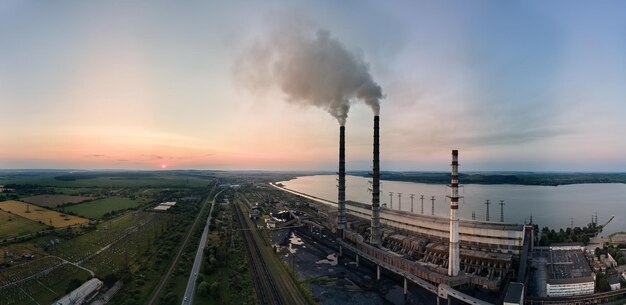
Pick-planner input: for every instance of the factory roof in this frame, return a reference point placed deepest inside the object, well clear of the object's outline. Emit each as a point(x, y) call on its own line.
point(514, 294)
point(619, 238)
point(493, 256)
point(556, 245)
point(164, 206)
point(613, 279)
point(568, 267)
point(446, 220)
point(80, 294)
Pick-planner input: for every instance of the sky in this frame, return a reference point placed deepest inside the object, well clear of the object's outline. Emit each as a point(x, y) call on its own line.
point(514, 85)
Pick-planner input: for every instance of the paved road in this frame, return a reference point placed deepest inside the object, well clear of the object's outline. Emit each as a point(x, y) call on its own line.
point(157, 291)
point(193, 275)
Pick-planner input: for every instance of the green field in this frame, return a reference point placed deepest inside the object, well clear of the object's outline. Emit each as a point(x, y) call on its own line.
point(51, 201)
point(44, 288)
point(97, 208)
point(12, 225)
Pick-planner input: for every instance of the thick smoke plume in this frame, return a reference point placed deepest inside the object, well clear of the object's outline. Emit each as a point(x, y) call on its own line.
point(309, 68)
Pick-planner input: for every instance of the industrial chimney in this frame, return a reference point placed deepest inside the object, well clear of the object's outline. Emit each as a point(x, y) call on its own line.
point(341, 202)
point(453, 263)
point(375, 237)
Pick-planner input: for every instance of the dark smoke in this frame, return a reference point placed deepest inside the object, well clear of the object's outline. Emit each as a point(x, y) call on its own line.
point(313, 69)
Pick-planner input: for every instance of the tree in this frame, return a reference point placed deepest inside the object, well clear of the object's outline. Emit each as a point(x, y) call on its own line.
point(200, 279)
point(214, 287)
point(204, 288)
point(212, 261)
point(170, 299)
point(110, 279)
point(598, 252)
point(603, 285)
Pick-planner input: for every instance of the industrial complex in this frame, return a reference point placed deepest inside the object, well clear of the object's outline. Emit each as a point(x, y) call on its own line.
point(447, 255)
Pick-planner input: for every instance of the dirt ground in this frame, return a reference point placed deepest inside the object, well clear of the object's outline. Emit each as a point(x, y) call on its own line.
point(335, 281)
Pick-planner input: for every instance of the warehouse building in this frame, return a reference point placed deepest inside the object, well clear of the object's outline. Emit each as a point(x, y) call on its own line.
point(82, 294)
point(568, 271)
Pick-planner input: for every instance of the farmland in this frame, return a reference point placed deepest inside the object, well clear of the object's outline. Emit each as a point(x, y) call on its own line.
point(13, 225)
point(43, 287)
point(98, 208)
point(44, 215)
point(136, 246)
point(52, 201)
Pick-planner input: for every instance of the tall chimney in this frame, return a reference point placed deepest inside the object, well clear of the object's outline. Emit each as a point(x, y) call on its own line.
point(341, 202)
point(375, 238)
point(453, 263)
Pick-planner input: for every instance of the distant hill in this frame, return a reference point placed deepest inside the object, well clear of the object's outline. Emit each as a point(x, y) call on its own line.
point(522, 178)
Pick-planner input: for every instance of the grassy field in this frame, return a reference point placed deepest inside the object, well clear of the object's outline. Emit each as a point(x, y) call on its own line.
point(51, 201)
point(19, 249)
point(97, 208)
point(13, 225)
point(43, 288)
point(44, 215)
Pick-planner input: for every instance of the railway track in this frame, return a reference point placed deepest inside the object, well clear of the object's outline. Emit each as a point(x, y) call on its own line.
point(265, 285)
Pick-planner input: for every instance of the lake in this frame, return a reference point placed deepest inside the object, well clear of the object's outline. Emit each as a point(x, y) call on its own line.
point(553, 206)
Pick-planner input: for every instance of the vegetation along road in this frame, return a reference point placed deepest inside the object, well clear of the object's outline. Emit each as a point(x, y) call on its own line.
point(191, 284)
point(157, 291)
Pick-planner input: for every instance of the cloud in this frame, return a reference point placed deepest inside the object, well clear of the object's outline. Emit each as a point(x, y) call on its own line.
point(513, 137)
point(152, 156)
point(96, 155)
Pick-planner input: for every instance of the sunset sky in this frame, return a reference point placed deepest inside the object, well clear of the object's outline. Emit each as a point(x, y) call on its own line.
point(514, 85)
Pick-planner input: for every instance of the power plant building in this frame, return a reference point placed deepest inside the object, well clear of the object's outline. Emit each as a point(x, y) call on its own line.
point(445, 250)
point(439, 250)
point(494, 237)
point(568, 271)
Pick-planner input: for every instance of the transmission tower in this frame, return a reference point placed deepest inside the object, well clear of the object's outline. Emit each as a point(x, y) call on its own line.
point(487, 203)
point(399, 201)
point(501, 210)
point(432, 199)
point(391, 200)
point(412, 197)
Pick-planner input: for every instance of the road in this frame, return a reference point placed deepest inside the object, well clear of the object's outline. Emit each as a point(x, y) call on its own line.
point(157, 291)
point(191, 284)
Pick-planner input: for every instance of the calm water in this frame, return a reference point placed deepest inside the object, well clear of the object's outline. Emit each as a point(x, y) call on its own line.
point(549, 205)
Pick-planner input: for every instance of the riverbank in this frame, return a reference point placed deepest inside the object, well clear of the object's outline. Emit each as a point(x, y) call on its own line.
point(514, 178)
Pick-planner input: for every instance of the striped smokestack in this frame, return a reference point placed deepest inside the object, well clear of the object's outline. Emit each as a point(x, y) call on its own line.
point(453, 263)
point(341, 200)
point(375, 238)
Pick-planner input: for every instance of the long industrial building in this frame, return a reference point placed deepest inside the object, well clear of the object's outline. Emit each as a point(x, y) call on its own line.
point(487, 249)
point(475, 235)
